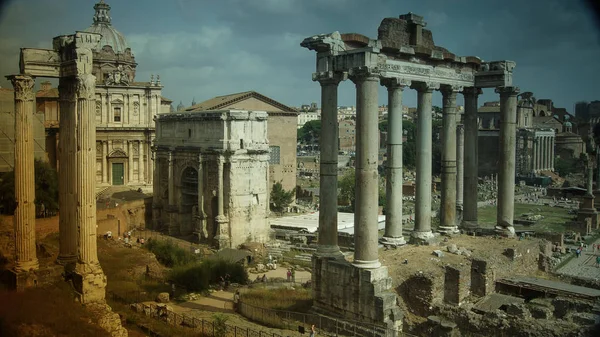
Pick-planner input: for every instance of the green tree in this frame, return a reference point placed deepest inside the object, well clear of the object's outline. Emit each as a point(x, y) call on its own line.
point(46, 190)
point(280, 198)
point(346, 184)
point(310, 132)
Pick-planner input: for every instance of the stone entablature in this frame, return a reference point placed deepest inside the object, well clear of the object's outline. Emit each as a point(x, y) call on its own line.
point(211, 176)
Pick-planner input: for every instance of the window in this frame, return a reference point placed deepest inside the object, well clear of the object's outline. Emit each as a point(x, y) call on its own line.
point(189, 133)
point(274, 154)
point(117, 115)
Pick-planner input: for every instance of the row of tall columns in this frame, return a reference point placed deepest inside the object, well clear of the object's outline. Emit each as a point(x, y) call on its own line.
point(506, 162)
point(543, 158)
point(24, 216)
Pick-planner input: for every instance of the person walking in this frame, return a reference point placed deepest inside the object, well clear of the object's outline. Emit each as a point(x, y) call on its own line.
point(313, 331)
point(597, 261)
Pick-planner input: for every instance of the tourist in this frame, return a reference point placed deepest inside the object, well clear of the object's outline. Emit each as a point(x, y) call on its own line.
point(578, 251)
point(313, 331)
point(597, 261)
point(264, 278)
point(294, 275)
point(289, 275)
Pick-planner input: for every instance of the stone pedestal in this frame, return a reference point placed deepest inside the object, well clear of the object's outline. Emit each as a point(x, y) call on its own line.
point(223, 240)
point(355, 295)
point(89, 282)
point(21, 280)
point(587, 210)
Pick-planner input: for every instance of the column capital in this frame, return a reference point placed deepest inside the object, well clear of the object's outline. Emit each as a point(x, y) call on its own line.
point(507, 91)
point(86, 86)
point(23, 85)
point(450, 89)
point(364, 73)
point(395, 83)
point(472, 91)
point(329, 77)
point(425, 86)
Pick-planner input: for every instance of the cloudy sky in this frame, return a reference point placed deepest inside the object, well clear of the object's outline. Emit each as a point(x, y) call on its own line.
point(206, 48)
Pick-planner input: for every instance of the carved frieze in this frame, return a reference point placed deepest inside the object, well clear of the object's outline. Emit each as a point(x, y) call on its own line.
point(23, 85)
point(117, 77)
point(395, 82)
point(136, 108)
point(98, 108)
point(329, 77)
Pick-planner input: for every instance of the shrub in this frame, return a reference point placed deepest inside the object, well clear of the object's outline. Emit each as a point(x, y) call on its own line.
point(199, 276)
point(169, 254)
point(220, 324)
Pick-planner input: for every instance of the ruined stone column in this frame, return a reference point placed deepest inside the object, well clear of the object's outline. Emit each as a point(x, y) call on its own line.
point(590, 180)
point(471, 154)
point(328, 213)
point(141, 151)
point(66, 175)
point(89, 279)
point(130, 162)
point(393, 190)
point(223, 239)
point(104, 162)
point(422, 229)
point(460, 153)
point(367, 179)
point(172, 208)
point(506, 173)
point(24, 216)
point(448, 206)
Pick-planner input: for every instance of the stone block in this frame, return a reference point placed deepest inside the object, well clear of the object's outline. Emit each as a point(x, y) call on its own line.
point(452, 248)
point(438, 253)
point(517, 310)
point(89, 282)
point(584, 318)
point(162, 298)
point(20, 281)
point(481, 278)
point(540, 312)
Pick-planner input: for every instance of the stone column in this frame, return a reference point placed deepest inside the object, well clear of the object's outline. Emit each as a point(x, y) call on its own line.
point(203, 234)
point(222, 238)
point(536, 154)
point(367, 180)
point(89, 279)
point(448, 206)
point(66, 175)
point(151, 164)
point(328, 213)
point(24, 215)
point(506, 174)
point(553, 143)
point(172, 208)
point(130, 161)
point(141, 151)
point(471, 154)
point(104, 162)
point(393, 187)
point(460, 153)
point(422, 229)
point(544, 153)
point(590, 177)
point(156, 191)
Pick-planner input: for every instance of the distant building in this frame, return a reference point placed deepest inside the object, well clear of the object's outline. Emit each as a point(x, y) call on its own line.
point(347, 135)
point(307, 116)
point(282, 130)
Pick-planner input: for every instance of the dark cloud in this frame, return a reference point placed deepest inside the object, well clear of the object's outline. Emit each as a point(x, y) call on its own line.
point(207, 48)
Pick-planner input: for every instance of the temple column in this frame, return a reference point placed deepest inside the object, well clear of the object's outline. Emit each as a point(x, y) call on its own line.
point(422, 230)
point(553, 143)
point(172, 208)
point(536, 156)
point(448, 206)
point(506, 174)
point(393, 187)
point(130, 161)
point(471, 154)
point(367, 182)
point(141, 151)
point(328, 213)
point(223, 239)
point(460, 153)
point(104, 162)
point(89, 279)
point(66, 175)
point(24, 215)
point(544, 153)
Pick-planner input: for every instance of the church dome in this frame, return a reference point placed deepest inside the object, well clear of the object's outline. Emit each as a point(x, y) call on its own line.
point(110, 36)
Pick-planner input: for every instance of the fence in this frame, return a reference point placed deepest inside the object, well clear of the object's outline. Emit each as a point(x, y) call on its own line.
point(326, 326)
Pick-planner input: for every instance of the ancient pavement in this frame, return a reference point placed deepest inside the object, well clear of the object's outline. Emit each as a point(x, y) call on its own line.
point(584, 266)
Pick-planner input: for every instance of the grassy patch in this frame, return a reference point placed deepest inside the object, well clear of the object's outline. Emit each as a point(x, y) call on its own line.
point(199, 276)
point(45, 312)
point(170, 254)
point(298, 300)
point(290, 257)
point(554, 220)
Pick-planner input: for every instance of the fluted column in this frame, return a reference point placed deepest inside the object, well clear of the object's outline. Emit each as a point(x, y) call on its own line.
point(448, 195)
point(471, 154)
point(24, 216)
point(66, 174)
point(223, 237)
point(130, 161)
point(104, 162)
point(460, 155)
point(393, 187)
point(141, 151)
point(367, 178)
point(544, 153)
point(328, 141)
point(422, 230)
point(172, 208)
point(536, 149)
point(553, 143)
point(506, 173)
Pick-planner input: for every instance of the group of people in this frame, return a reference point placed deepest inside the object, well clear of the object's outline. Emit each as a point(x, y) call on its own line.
point(291, 275)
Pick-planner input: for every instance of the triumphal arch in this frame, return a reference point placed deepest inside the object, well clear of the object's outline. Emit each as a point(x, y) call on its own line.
point(403, 56)
point(70, 60)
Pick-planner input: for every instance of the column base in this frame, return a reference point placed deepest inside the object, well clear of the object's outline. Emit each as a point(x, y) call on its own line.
point(366, 264)
point(392, 242)
point(508, 231)
point(329, 251)
point(448, 230)
point(222, 241)
point(64, 260)
point(89, 282)
point(421, 237)
point(21, 280)
point(27, 266)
